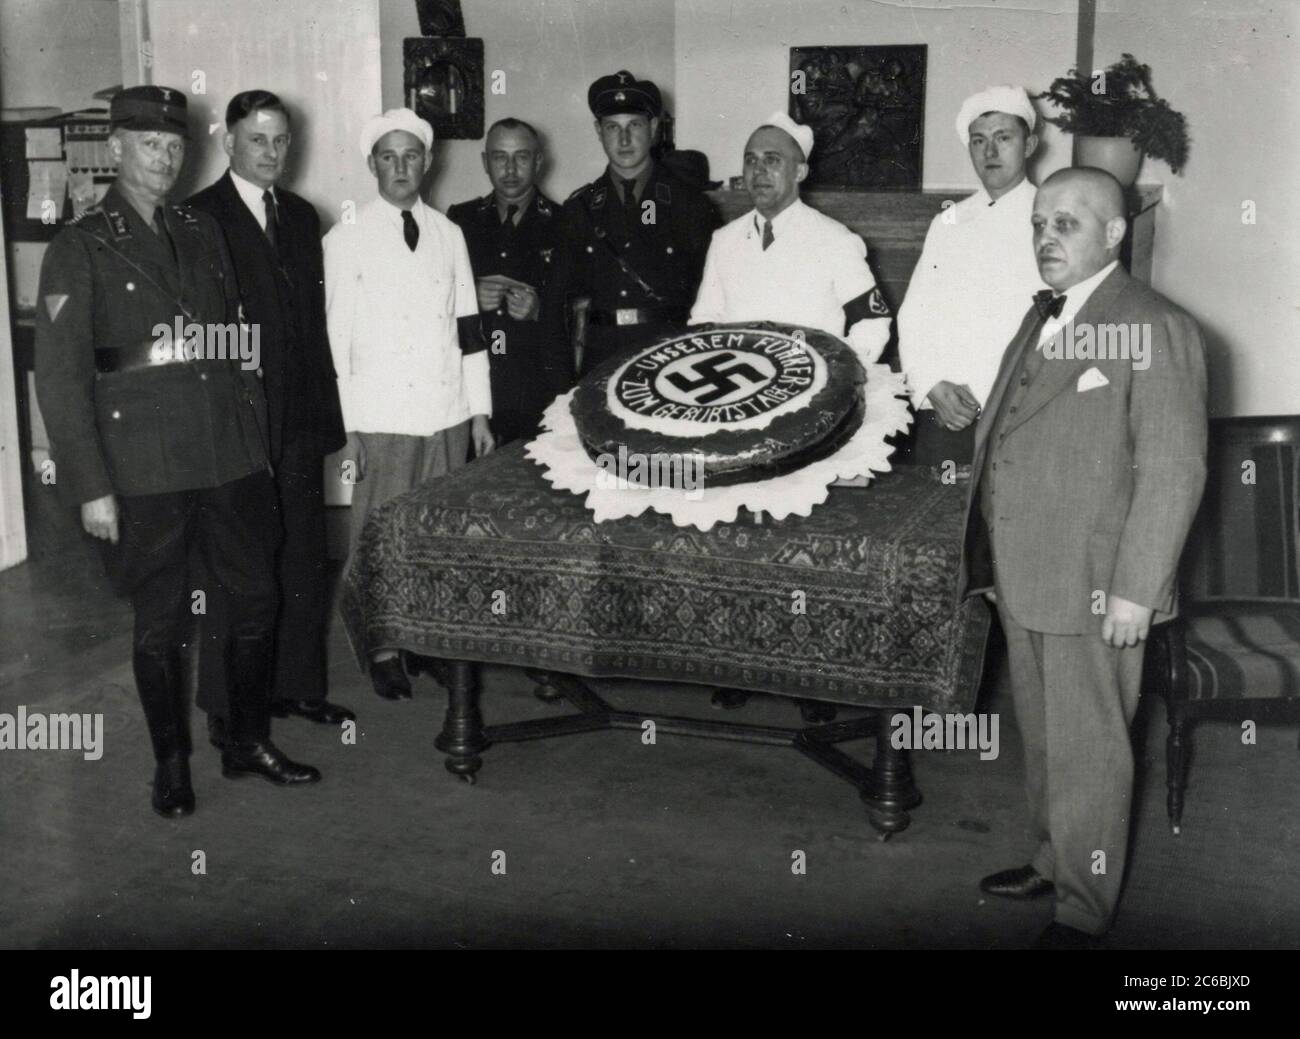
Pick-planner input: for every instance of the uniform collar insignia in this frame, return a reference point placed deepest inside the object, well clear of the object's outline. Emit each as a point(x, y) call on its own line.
point(117, 221)
point(663, 193)
point(185, 214)
point(598, 197)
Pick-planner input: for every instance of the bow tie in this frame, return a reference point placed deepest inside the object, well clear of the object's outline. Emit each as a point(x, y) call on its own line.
point(1048, 304)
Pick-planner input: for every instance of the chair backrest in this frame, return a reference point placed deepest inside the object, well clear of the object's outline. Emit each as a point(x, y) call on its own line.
point(1244, 542)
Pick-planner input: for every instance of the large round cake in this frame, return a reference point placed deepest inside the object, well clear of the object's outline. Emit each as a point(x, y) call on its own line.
point(726, 403)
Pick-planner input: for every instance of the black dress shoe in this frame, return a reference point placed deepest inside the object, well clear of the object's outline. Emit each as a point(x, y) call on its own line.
point(814, 712)
point(1022, 883)
point(172, 794)
point(265, 759)
point(1059, 936)
point(730, 699)
point(217, 731)
point(389, 679)
point(313, 710)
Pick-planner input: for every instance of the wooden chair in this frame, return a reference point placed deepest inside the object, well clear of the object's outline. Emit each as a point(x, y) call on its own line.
point(1234, 651)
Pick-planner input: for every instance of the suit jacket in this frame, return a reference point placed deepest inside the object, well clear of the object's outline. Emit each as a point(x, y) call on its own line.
point(1096, 488)
point(286, 299)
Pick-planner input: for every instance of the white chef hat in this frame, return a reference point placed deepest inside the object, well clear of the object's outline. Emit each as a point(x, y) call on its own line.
point(395, 119)
point(1012, 100)
point(803, 135)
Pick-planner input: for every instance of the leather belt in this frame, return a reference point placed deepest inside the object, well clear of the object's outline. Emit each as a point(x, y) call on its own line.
point(635, 315)
point(146, 353)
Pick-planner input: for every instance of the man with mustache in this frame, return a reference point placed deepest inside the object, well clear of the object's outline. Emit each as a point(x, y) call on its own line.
point(512, 234)
point(784, 261)
point(163, 444)
point(407, 341)
point(968, 289)
point(1086, 476)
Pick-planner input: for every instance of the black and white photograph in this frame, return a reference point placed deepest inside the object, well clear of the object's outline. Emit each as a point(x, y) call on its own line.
point(649, 476)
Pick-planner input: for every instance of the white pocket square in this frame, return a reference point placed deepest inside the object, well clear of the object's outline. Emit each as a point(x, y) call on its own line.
point(1090, 380)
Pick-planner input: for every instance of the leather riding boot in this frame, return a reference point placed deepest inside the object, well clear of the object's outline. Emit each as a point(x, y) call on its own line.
point(158, 680)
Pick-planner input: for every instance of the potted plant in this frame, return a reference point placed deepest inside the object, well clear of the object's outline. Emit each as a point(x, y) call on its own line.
point(1116, 118)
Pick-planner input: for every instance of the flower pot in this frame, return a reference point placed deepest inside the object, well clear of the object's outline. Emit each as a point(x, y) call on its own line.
point(1118, 156)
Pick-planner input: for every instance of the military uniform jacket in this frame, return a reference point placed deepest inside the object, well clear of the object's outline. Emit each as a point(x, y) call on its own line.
point(107, 282)
point(664, 247)
point(527, 369)
point(285, 296)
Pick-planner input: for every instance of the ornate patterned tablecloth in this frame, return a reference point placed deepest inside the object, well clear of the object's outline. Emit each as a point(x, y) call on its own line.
point(855, 604)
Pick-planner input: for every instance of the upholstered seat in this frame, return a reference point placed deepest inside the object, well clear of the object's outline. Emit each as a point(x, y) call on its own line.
point(1237, 641)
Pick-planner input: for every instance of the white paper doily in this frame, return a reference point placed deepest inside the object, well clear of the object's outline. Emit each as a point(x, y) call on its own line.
point(567, 466)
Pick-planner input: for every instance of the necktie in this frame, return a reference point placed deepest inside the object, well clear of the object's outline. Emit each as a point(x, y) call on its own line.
point(1048, 304)
point(768, 237)
point(629, 201)
point(272, 219)
point(509, 221)
point(410, 230)
point(160, 229)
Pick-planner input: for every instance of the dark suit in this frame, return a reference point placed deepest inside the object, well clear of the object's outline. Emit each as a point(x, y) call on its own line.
point(283, 293)
point(527, 370)
point(1086, 477)
point(647, 259)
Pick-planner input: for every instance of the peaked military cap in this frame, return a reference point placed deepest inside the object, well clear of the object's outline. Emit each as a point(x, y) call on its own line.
point(150, 108)
point(623, 92)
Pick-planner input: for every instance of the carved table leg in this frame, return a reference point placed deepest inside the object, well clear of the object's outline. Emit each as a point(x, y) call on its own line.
point(461, 738)
point(545, 690)
point(1176, 767)
point(893, 790)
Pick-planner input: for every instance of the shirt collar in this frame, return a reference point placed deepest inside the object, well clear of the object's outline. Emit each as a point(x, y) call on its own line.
point(782, 221)
point(500, 209)
point(1020, 189)
point(640, 180)
point(252, 194)
point(393, 214)
point(1077, 295)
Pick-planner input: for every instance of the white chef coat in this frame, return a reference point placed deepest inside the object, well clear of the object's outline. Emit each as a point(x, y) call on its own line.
point(813, 267)
point(972, 285)
point(392, 317)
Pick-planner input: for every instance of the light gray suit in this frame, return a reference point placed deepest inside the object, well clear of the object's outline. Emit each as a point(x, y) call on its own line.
point(1079, 491)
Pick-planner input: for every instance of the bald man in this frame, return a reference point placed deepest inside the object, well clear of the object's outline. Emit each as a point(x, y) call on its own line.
point(1088, 468)
point(783, 261)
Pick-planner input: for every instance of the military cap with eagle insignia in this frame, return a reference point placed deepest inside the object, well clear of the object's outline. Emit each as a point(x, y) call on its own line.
point(149, 108)
point(623, 92)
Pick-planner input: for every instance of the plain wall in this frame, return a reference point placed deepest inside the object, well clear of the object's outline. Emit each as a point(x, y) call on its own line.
point(1233, 69)
point(733, 67)
point(322, 59)
point(58, 52)
point(550, 51)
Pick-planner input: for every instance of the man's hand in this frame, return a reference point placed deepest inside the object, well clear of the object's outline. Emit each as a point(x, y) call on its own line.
point(1126, 623)
point(99, 517)
point(955, 406)
point(490, 291)
point(481, 434)
point(522, 302)
point(354, 454)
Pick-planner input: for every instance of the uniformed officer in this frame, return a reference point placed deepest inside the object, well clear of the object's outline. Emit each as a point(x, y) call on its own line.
point(512, 234)
point(633, 241)
point(161, 439)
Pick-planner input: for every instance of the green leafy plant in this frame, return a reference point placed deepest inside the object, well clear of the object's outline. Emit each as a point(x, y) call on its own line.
point(1120, 102)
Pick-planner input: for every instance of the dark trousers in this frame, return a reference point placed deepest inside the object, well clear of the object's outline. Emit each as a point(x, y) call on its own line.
point(301, 575)
point(228, 529)
point(933, 445)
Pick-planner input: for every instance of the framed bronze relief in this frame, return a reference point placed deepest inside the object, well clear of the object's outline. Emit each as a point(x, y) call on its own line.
point(866, 107)
point(443, 83)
